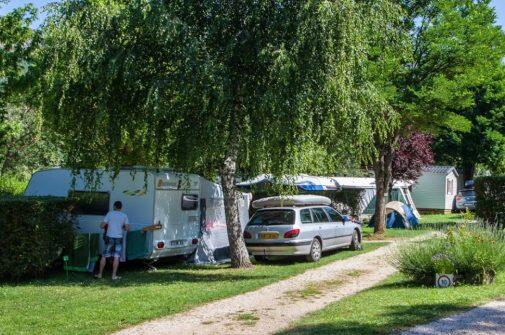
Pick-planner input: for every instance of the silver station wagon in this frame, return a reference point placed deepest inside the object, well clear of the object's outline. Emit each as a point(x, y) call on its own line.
point(298, 225)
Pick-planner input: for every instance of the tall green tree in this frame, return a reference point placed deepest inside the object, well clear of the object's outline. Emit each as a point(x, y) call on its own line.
point(29, 146)
point(484, 144)
point(213, 87)
point(17, 44)
point(452, 43)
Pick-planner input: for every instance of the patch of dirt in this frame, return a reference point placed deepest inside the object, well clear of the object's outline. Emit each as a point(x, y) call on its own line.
point(313, 290)
point(355, 273)
point(247, 319)
point(273, 307)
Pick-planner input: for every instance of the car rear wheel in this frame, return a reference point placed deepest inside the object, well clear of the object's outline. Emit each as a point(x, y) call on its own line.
point(355, 243)
point(315, 251)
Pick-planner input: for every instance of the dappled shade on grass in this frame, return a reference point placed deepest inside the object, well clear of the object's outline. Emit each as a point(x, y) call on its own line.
point(396, 304)
point(87, 306)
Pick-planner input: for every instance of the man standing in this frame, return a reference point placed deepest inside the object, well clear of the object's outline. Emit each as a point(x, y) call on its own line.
point(116, 222)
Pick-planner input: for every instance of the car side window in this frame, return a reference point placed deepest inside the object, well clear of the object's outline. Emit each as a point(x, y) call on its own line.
point(305, 216)
point(319, 215)
point(334, 215)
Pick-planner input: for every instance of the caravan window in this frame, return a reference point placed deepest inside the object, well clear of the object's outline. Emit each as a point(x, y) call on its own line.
point(189, 202)
point(90, 203)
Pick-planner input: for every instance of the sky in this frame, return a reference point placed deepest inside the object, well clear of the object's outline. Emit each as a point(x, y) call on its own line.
point(498, 4)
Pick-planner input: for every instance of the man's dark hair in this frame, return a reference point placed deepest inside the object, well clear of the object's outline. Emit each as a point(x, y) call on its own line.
point(118, 205)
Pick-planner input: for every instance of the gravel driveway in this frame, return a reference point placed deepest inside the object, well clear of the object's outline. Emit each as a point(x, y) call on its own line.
point(273, 307)
point(488, 319)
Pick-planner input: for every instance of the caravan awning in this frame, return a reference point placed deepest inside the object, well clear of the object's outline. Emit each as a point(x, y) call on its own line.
point(303, 182)
point(314, 183)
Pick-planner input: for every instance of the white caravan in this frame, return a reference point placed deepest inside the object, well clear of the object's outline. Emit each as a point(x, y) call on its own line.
point(170, 213)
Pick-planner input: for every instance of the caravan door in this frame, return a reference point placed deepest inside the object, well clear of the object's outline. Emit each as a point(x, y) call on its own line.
point(178, 213)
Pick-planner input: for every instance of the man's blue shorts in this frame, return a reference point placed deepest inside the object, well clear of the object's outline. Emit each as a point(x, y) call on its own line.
point(113, 247)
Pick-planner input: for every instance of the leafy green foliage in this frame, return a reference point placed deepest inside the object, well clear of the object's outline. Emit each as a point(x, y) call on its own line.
point(490, 195)
point(475, 253)
point(33, 233)
point(213, 87)
point(24, 141)
point(17, 42)
point(452, 45)
point(16, 49)
point(29, 146)
point(468, 47)
point(458, 42)
point(484, 144)
point(416, 261)
point(12, 186)
point(133, 83)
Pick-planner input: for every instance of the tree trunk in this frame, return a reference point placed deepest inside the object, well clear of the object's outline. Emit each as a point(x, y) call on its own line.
point(383, 179)
point(238, 251)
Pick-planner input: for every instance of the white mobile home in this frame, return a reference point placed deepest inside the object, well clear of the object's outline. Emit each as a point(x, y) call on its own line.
point(170, 213)
point(436, 189)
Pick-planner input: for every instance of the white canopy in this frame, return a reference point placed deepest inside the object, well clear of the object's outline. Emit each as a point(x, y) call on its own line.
point(315, 183)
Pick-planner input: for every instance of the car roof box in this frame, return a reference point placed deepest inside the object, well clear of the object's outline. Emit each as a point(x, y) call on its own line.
point(292, 200)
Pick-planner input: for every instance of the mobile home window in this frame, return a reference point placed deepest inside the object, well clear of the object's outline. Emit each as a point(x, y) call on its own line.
point(450, 186)
point(90, 203)
point(189, 202)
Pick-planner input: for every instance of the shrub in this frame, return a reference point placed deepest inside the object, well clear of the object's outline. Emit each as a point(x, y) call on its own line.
point(474, 253)
point(12, 186)
point(490, 194)
point(477, 252)
point(33, 233)
point(416, 260)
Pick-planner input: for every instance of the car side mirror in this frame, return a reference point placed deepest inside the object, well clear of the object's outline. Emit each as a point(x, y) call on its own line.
point(345, 219)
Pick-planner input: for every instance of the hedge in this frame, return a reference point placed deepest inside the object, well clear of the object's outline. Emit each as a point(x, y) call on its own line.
point(490, 193)
point(34, 231)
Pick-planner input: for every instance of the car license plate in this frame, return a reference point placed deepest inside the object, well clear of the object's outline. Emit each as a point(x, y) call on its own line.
point(269, 236)
point(177, 242)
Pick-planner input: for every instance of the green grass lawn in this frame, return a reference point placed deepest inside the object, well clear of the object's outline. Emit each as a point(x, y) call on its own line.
point(428, 222)
point(86, 306)
point(393, 305)
point(441, 220)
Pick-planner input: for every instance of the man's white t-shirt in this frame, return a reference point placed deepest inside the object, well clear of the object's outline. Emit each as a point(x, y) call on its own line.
point(116, 221)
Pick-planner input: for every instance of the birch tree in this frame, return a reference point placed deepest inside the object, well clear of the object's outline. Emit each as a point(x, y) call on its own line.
point(218, 88)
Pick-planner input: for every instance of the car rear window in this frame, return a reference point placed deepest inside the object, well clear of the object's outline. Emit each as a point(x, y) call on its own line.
point(273, 217)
